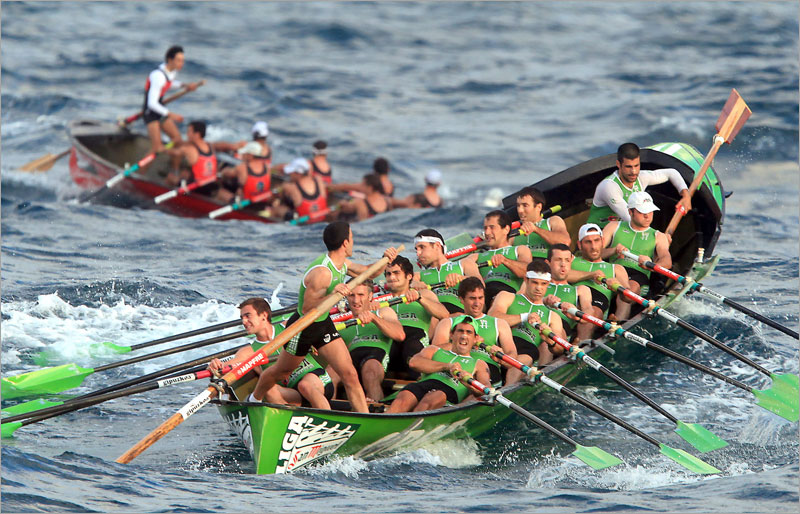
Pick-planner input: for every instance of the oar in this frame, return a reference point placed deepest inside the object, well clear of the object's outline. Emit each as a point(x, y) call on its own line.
point(61, 378)
point(784, 385)
point(592, 456)
point(9, 428)
point(130, 119)
point(683, 458)
point(183, 190)
point(766, 399)
point(734, 114)
point(46, 162)
point(337, 316)
point(693, 433)
point(28, 409)
point(346, 316)
point(697, 286)
point(239, 371)
point(241, 204)
point(127, 172)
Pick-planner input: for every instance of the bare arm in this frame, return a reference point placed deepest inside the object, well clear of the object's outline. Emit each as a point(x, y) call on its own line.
point(430, 302)
point(499, 307)
point(662, 256)
point(505, 339)
point(424, 363)
point(441, 335)
point(316, 282)
point(557, 233)
point(387, 322)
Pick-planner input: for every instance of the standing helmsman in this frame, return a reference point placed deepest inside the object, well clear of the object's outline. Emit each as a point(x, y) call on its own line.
point(154, 112)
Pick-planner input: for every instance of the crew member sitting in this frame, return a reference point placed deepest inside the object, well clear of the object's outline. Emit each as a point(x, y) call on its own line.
point(200, 158)
point(438, 384)
point(305, 196)
point(560, 258)
point(248, 179)
point(374, 202)
point(429, 197)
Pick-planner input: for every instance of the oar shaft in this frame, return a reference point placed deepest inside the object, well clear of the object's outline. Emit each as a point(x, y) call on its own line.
point(134, 117)
point(190, 333)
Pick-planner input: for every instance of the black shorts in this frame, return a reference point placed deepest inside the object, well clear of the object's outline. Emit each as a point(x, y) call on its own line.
point(526, 348)
point(365, 353)
point(493, 287)
point(637, 276)
point(420, 389)
point(452, 308)
point(317, 334)
point(600, 301)
point(149, 116)
point(415, 341)
point(495, 373)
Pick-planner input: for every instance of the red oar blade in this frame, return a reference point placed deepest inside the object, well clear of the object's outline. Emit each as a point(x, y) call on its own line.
point(733, 117)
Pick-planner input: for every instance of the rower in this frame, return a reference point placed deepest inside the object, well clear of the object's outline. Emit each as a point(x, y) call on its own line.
point(438, 384)
point(559, 258)
point(320, 167)
point(539, 233)
point(374, 202)
point(612, 193)
point(154, 112)
point(305, 194)
point(247, 179)
point(381, 168)
point(524, 309)
point(370, 341)
point(492, 331)
point(308, 380)
point(260, 131)
point(419, 315)
point(508, 263)
point(430, 248)
point(200, 158)
point(588, 268)
point(639, 237)
point(325, 275)
point(429, 197)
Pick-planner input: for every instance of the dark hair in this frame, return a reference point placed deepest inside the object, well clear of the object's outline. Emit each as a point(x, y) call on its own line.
point(319, 145)
point(260, 305)
point(172, 52)
point(381, 166)
point(538, 196)
point(538, 265)
point(627, 151)
point(404, 264)
point(469, 285)
point(503, 218)
point(335, 234)
point(429, 232)
point(199, 127)
point(557, 246)
point(373, 181)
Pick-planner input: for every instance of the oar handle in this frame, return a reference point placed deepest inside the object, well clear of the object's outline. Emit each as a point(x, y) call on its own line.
point(183, 190)
point(657, 268)
point(345, 316)
point(510, 361)
point(516, 224)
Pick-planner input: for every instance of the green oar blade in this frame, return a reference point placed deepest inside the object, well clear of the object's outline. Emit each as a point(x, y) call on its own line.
point(595, 457)
point(688, 461)
point(459, 241)
point(33, 405)
point(44, 381)
point(787, 383)
point(8, 429)
point(50, 356)
point(779, 401)
point(700, 437)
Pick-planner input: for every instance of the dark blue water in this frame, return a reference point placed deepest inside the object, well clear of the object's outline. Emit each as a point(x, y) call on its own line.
point(496, 95)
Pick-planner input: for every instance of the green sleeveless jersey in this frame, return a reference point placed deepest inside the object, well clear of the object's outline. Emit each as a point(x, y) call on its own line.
point(257, 345)
point(567, 293)
point(581, 264)
point(487, 329)
point(525, 330)
point(534, 241)
point(600, 215)
point(432, 276)
point(501, 273)
point(308, 365)
point(413, 314)
point(338, 276)
point(359, 336)
point(639, 242)
point(467, 364)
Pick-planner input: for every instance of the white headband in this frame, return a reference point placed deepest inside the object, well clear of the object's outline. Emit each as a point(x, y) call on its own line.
point(540, 276)
point(318, 151)
point(430, 239)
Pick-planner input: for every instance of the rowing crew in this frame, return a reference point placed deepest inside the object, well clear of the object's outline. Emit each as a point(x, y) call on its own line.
point(421, 336)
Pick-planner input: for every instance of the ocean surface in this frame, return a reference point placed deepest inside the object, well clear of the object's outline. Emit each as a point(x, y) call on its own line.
point(495, 95)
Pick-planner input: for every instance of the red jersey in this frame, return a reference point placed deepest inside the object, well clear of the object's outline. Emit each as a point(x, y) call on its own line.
point(256, 183)
point(205, 167)
point(315, 205)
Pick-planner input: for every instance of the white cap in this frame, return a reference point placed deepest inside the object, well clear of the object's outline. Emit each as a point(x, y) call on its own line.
point(433, 177)
point(298, 165)
point(589, 229)
point(642, 202)
point(260, 129)
point(252, 148)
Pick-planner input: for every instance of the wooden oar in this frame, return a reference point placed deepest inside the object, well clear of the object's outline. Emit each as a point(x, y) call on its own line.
point(734, 115)
point(27, 409)
point(686, 460)
point(697, 286)
point(784, 385)
point(693, 433)
point(589, 455)
point(64, 377)
point(46, 162)
point(347, 316)
point(241, 204)
point(183, 190)
point(765, 399)
point(8, 428)
point(239, 371)
point(127, 172)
